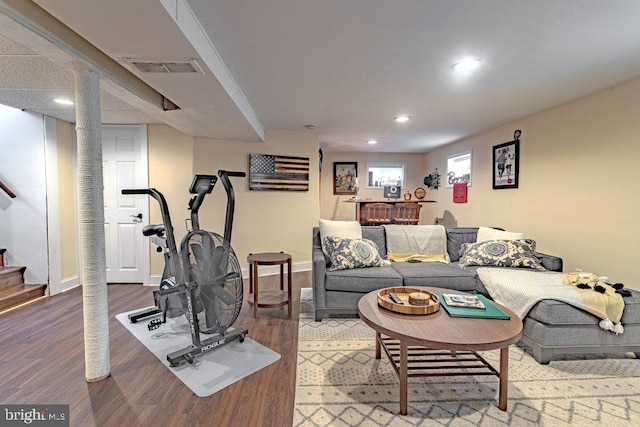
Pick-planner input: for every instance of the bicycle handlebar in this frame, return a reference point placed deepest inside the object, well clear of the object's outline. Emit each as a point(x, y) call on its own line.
point(231, 173)
point(231, 200)
point(137, 191)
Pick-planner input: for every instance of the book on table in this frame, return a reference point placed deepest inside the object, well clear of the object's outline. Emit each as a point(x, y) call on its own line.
point(491, 311)
point(458, 300)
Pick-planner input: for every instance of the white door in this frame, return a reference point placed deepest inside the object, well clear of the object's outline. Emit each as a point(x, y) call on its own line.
point(124, 156)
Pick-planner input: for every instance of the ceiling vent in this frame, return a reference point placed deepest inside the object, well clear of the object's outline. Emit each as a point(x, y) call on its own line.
point(166, 67)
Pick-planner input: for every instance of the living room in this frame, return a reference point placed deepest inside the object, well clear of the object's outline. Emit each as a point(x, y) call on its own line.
point(575, 198)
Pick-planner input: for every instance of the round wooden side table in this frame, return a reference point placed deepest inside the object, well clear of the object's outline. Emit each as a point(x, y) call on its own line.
point(269, 298)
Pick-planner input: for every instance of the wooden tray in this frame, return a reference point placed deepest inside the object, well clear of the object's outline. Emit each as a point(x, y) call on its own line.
point(408, 308)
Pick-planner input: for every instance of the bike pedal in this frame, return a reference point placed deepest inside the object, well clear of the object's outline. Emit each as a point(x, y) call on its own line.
point(154, 324)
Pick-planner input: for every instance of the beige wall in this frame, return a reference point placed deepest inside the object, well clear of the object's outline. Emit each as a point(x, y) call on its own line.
point(170, 172)
point(578, 190)
point(265, 221)
point(66, 200)
point(333, 206)
point(577, 196)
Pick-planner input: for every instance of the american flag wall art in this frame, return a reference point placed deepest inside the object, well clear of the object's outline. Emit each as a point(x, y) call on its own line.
point(284, 173)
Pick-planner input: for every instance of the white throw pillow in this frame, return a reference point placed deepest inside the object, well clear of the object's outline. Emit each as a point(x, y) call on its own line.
point(345, 229)
point(487, 233)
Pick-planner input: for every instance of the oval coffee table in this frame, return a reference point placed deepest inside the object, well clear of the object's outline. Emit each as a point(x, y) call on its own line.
point(439, 345)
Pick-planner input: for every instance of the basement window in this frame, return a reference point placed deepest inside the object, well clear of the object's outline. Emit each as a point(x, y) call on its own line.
point(459, 169)
point(380, 174)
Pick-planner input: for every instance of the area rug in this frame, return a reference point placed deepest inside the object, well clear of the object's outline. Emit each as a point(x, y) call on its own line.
point(211, 371)
point(340, 383)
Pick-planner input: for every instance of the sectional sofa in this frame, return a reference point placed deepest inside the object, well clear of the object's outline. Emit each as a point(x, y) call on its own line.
point(550, 328)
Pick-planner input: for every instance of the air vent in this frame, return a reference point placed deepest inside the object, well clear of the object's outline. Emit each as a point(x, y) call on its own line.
point(166, 67)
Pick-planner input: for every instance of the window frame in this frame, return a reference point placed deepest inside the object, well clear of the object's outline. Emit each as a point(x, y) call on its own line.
point(451, 161)
point(380, 165)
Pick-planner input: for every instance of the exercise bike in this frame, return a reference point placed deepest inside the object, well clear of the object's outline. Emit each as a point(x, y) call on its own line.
point(204, 278)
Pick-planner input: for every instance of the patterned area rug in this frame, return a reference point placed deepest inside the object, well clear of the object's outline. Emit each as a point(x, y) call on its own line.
point(340, 383)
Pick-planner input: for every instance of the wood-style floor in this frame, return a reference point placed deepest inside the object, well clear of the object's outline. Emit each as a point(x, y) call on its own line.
point(42, 362)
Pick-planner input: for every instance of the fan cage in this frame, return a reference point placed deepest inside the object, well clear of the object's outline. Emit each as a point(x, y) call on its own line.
point(212, 262)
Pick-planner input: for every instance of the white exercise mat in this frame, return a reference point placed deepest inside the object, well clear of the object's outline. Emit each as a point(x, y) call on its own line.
point(211, 371)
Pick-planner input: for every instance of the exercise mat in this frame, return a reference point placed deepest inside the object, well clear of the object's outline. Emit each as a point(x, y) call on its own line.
point(211, 371)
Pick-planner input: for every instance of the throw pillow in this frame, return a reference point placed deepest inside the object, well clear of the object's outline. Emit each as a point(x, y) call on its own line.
point(328, 228)
point(487, 233)
point(501, 253)
point(352, 253)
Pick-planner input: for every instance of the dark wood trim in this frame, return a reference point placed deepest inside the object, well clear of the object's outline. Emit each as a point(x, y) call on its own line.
point(7, 190)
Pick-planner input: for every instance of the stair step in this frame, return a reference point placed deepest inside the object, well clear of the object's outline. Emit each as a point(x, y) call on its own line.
point(20, 294)
point(11, 276)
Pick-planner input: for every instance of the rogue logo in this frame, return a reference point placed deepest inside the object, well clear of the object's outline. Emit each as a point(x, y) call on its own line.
point(38, 415)
point(210, 346)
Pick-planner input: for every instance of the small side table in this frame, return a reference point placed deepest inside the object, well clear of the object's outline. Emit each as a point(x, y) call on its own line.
point(271, 298)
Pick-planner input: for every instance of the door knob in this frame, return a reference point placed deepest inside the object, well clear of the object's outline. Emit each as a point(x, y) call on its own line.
point(139, 216)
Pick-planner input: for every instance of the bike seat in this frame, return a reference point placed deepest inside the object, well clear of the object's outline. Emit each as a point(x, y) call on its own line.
point(151, 230)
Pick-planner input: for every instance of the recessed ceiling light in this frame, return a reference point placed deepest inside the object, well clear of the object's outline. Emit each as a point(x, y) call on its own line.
point(372, 141)
point(466, 65)
point(63, 101)
point(402, 119)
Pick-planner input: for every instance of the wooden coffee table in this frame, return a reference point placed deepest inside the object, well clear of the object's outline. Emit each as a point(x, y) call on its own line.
point(439, 345)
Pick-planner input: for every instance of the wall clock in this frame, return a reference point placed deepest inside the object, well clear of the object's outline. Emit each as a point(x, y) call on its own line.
point(420, 193)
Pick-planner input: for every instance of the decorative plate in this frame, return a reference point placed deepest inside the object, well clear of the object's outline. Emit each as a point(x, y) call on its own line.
point(420, 193)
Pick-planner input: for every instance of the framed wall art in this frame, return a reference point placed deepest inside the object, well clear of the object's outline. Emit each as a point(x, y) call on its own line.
point(268, 172)
point(506, 165)
point(344, 177)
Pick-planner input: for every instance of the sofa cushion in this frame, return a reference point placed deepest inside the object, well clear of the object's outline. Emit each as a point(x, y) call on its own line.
point(362, 279)
point(437, 274)
point(376, 234)
point(501, 253)
point(456, 237)
point(328, 228)
point(558, 313)
point(488, 233)
point(352, 253)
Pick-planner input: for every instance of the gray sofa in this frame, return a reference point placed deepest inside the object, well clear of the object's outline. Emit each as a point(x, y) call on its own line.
point(550, 328)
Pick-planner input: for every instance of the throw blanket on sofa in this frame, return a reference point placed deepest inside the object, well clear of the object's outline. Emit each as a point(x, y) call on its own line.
point(520, 290)
point(416, 242)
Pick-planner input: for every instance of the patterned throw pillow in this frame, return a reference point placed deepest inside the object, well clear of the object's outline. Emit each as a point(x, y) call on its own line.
point(501, 253)
point(352, 253)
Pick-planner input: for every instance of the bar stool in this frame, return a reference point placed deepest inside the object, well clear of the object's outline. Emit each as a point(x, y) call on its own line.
point(270, 298)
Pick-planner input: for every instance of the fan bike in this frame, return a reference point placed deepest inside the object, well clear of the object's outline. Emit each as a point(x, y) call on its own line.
point(203, 280)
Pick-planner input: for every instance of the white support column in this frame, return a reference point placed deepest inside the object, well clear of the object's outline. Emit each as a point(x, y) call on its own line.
point(91, 224)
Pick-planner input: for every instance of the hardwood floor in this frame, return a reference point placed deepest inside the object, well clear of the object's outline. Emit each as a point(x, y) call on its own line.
point(42, 362)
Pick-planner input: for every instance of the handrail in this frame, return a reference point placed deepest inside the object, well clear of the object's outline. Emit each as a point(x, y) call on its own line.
point(6, 190)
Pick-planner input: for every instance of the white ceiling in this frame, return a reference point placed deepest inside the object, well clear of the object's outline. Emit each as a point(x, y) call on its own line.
point(345, 66)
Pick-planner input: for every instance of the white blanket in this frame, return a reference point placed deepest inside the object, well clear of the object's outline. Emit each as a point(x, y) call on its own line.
point(421, 242)
point(520, 289)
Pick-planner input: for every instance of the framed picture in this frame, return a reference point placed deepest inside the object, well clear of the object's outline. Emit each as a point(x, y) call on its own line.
point(344, 177)
point(506, 164)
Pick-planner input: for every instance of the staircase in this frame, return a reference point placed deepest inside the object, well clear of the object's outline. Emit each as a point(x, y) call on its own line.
point(13, 290)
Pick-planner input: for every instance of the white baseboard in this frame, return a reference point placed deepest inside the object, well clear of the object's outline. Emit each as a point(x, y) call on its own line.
point(69, 283)
point(267, 270)
point(271, 270)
